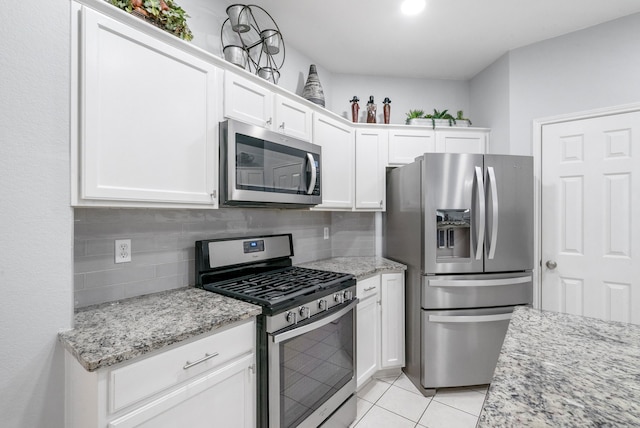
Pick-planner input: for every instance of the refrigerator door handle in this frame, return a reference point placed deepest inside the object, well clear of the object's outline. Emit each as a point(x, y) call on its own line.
point(468, 318)
point(494, 214)
point(481, 200)
point(478, 282)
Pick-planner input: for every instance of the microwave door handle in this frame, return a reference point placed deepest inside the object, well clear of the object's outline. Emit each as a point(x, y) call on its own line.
point(494, 214)
point(314, 173)
point(481, 221)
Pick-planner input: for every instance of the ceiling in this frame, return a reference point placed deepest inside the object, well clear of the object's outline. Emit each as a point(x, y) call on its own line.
point(450, 39)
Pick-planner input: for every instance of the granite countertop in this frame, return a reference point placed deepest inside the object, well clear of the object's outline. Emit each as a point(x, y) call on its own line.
point(360, 267)
point(111, 333)
point(559, 370)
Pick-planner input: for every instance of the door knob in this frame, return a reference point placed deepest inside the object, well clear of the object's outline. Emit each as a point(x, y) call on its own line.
point(551, 264)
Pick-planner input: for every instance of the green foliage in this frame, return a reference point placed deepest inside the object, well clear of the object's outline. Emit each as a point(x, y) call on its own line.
point(444, 114)
point(460, 116)
point(415, 114)
point(165, 14)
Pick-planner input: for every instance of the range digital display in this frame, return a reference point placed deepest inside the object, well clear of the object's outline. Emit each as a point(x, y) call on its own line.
point(253, 246)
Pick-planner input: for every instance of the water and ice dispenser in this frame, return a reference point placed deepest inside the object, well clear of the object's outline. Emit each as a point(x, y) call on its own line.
point(453, 234)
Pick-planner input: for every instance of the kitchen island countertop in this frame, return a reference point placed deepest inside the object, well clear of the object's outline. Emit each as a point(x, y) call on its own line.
point(111, 333)
point(360, 267)
point(565, 370)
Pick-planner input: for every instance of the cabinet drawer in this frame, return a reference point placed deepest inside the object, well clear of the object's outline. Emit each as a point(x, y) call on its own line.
point(144, 378)
point(368, 287)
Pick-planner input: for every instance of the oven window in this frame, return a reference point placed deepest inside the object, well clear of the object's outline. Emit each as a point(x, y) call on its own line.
point(265, 166)
point(313, 367)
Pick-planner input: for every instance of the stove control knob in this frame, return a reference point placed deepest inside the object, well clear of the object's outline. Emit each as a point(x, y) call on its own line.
point(304, 312)
point(291, 317)
point(322, 304)
point(338, 297)
point(348, 295)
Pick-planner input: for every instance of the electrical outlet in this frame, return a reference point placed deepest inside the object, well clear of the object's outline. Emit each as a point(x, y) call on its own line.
point(326, 233)
point(123, 250)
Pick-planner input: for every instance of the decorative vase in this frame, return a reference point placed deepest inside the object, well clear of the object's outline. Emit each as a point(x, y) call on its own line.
point(313, 89)
point(387, 110)
point(371, 110)
point(354, 109)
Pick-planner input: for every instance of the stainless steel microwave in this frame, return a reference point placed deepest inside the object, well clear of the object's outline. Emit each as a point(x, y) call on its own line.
point(259, 167)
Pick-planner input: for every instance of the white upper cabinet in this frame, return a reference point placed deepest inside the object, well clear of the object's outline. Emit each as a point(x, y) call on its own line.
point(292, 118)
point(371, 150)
point(406, 144)
point(247, 101)
point(462, 140)
point(252, 103)
point(337, 169)
point(144, 122)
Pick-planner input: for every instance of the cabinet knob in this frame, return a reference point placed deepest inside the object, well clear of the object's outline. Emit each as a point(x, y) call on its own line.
point(269, 121)
point(282, 125)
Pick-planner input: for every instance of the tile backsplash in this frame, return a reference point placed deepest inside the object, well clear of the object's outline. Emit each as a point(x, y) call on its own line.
point(162, 244)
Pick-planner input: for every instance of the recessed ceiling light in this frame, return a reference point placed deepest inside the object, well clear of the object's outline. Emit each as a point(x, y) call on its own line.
point(412, 7)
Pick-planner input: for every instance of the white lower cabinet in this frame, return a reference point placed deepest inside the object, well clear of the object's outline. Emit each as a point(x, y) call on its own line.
point(392, 346)
point(206, 382)
point(380, 325)
point(368, 329)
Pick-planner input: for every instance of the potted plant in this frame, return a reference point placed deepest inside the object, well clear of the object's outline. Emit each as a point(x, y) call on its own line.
point(164, 14)
point(440, 118)
point(413, 115)
point(460, 120)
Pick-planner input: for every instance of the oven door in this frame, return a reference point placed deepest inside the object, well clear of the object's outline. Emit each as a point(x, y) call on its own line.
point(312, 368)
point(262, 167)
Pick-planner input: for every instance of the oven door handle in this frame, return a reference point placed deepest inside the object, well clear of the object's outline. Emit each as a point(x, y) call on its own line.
point(332, 316)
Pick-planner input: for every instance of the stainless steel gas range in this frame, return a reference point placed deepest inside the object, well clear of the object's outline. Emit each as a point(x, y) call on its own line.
point(306, 333)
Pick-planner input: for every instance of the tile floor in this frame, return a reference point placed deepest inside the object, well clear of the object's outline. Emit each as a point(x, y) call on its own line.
point(395, 402)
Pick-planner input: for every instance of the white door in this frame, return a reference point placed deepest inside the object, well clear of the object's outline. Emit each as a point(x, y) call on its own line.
point(590, 189)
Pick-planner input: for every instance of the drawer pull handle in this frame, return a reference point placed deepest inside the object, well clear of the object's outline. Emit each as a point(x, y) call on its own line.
point(370, 288)
point(201, 360)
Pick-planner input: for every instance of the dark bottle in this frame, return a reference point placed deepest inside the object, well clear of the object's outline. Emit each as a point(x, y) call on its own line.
point(371, 110)
point(354, 109)
point(387, 109)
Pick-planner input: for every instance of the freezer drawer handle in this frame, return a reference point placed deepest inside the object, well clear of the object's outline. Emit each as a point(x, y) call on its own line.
point(477, 282)
point(481, 208)
point(469, 319)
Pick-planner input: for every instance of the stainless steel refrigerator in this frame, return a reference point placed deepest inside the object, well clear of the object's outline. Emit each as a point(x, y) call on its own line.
point(463, 225)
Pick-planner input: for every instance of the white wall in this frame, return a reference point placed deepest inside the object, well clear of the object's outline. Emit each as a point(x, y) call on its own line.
point(588, 69)
point(489, 98)
point(35, 217)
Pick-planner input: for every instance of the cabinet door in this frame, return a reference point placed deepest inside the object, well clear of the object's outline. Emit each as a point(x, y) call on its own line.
point(247, 101)
point(371, 147)
point(148, 122)
point(462, 141)
point(407, 144)
point(392, 349)
point(292, 118)
point(368, 338)
point(224, 398)
point(337, 175)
